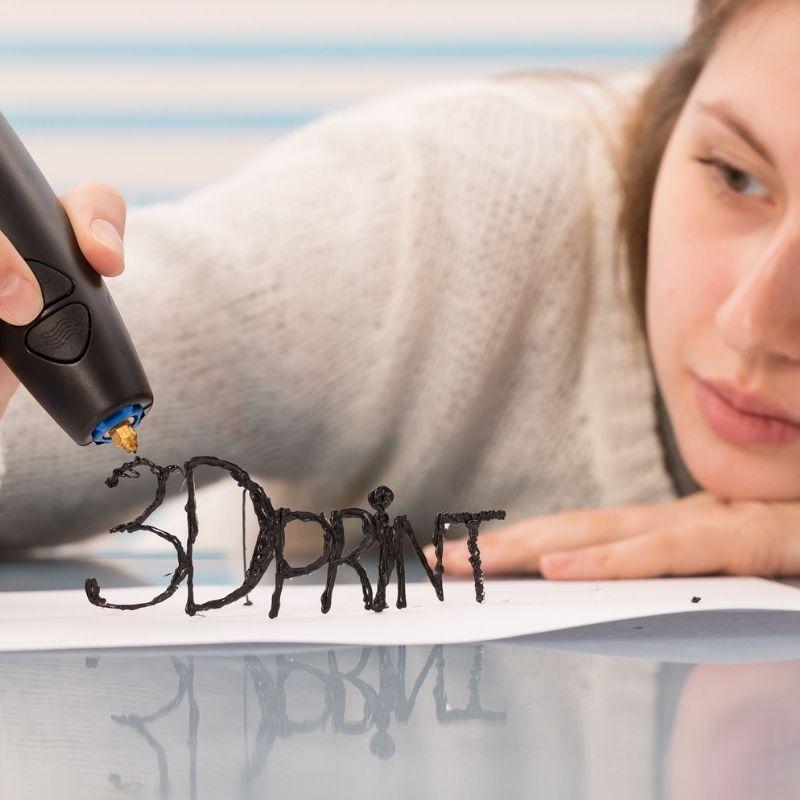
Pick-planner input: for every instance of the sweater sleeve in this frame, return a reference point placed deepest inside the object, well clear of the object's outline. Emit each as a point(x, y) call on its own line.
point(292, 318)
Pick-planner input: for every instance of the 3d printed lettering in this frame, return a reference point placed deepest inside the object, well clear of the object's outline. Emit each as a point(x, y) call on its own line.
point(376, 526)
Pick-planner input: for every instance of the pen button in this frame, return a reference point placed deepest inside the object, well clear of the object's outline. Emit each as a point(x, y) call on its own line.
point(63, 336)
point(55, 285)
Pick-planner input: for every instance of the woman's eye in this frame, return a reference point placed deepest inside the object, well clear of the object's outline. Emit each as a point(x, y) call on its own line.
point(735, 180)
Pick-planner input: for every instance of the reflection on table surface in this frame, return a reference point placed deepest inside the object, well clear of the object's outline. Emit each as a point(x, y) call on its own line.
point(521, 718)
point(486, 720)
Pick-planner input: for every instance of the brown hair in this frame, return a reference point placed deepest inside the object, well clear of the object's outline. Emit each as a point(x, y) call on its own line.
point(647, 131)
point(637, 148)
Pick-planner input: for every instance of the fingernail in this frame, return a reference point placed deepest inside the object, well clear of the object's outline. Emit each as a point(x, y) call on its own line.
point(558, 560)
point(107, 234)
point(19, 299)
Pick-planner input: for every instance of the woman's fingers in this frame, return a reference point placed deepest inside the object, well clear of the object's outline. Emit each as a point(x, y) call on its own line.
point(8, 385)
point(516, 549)
point(519, 548)
point(649, 555)
point(97, 213)
point(20, 296)
point(748, 540)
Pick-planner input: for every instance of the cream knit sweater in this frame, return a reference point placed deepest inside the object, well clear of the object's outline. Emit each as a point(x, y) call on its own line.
point(421, 290)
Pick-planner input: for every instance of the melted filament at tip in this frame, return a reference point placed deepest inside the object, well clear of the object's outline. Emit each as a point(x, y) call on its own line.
point(124, 436)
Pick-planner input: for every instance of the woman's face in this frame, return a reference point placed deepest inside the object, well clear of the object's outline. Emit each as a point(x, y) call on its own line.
point(723, 295)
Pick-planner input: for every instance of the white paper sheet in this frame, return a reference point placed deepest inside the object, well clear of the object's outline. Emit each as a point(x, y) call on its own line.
point(57, 620)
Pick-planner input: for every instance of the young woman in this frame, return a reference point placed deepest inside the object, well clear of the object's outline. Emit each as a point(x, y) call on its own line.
point(429, 290)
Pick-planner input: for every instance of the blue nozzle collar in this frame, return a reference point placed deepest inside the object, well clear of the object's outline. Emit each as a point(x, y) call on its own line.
point(134, 413)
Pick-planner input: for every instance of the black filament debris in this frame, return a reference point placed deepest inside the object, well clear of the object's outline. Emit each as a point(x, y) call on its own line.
point(377, 529)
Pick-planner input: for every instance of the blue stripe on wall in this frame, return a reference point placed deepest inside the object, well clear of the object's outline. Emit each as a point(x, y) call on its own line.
point(153, 555)
point(133, 198)
point(124, 120)
point(338, 50)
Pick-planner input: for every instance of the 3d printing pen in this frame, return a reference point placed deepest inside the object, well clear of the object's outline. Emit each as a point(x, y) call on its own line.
point(76, 358)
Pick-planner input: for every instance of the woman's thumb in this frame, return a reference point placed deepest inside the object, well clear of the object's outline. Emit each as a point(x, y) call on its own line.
point(20, 296)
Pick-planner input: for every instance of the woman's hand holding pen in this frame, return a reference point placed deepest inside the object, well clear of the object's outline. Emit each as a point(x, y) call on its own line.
point(697, 534)
point(97, 213)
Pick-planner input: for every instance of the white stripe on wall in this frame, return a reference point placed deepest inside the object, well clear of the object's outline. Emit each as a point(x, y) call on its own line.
point(159, 98)
point(99, 19)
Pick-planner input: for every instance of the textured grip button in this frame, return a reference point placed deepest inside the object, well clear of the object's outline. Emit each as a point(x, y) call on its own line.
point(55, 285)
point(62, 336)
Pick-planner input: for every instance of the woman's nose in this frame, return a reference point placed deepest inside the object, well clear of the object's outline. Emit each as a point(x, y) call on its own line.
point(761, 315)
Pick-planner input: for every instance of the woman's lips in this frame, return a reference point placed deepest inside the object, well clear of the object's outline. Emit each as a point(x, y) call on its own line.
point(724, 409)
point(750, 402)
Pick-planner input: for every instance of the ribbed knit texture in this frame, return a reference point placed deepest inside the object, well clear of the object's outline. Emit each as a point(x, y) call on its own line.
point(422, 290)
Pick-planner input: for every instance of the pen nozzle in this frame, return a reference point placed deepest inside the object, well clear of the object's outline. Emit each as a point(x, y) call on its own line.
point(124, 436)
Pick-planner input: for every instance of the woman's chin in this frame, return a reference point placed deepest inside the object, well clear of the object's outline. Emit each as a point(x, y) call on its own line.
point(734, 473)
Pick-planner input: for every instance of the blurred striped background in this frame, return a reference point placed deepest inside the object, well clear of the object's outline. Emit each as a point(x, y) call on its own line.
point(159, 97)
